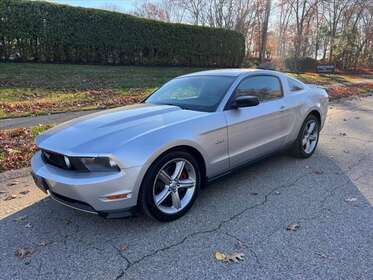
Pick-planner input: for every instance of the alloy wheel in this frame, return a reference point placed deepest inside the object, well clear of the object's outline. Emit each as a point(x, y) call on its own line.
point(174, 186)
point(310, 136)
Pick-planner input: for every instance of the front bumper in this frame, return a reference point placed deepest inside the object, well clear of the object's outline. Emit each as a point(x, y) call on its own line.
point(88, 191)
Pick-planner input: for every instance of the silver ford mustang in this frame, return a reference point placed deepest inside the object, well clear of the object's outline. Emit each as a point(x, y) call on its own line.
point(156, 155)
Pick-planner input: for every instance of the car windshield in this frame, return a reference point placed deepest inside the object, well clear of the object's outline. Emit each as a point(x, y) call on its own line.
point(199, 93)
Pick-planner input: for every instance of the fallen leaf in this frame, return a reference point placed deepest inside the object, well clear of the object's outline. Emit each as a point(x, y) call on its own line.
point(28, 225)
point(12, 183)
point(21, 218)
point(24, 252)
point(254, 193)
point(277, 193)
point(123, 247)
point(24, 192)
point(342, 134)
point(219, 256)
point(346, 152)
point(234, 257)
point(293, 227)
point(357, 118)
point(351, 199)
point(10, 197)
point(318, 172)
point(345, 120)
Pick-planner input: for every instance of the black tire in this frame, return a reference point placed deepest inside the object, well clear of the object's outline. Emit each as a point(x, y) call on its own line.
point(146, 200)
point(298, 149)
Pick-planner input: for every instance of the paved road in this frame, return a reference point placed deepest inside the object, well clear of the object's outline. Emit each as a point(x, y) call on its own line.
point(329, 196)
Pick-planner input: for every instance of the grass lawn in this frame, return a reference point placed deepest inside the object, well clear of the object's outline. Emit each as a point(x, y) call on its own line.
point(35, 89)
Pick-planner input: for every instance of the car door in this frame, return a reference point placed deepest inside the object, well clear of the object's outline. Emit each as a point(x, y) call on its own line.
point(258, 130)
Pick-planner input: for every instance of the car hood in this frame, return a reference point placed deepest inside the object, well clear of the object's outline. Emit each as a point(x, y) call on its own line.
point(106, 131)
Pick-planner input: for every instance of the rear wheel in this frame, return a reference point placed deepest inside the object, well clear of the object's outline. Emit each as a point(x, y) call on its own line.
point(170, 186)
point(308, 138)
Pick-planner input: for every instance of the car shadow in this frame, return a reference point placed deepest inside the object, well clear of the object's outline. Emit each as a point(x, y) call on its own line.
point(250, 204)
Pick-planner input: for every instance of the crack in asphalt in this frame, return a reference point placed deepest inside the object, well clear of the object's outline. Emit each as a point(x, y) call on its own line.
point(300, 220)
point(122, 255)
point(120, 274)
point(218, 227)
point(231, 218)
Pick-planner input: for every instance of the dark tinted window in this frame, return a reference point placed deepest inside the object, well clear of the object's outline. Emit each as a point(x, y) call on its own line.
point(199, 93)
point(295, 85)
point(264, 87)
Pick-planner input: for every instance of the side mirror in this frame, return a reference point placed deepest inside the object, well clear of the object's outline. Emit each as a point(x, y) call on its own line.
point(245, 101)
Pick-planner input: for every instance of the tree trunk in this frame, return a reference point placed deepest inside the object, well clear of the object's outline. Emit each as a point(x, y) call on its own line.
point(263, 44)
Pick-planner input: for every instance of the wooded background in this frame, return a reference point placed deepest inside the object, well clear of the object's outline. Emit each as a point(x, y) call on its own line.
point(331, 31)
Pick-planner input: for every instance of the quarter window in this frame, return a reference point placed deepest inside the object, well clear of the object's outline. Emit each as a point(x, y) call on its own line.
point(294, 85)
point(264, 87)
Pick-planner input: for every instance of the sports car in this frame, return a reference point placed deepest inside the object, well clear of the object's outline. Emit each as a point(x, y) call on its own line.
point(156, 155)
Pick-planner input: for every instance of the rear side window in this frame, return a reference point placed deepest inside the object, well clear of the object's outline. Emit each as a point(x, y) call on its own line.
point(295, 85)
point(264, 87)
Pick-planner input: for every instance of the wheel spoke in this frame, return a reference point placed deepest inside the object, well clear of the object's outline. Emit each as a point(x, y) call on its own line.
point(186, 183)
point(307, 146)
point(159, 198)
point(178, 169)
point(311, 127)
point(312, 137)
point(165, 178)
point(176, 200)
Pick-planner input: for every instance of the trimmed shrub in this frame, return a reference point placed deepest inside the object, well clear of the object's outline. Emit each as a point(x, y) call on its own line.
point(45, 32)
point(301, 64)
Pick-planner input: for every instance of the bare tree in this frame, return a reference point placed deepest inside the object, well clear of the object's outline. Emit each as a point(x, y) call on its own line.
point(165, 10)
point(195, 9)
point(335, 9)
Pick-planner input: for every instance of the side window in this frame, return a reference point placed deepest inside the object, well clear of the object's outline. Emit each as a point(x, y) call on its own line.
point(294, 85)
point(264, 87)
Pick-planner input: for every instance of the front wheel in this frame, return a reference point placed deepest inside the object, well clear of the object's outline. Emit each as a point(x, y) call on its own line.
point(170, 186)
point(307, 139)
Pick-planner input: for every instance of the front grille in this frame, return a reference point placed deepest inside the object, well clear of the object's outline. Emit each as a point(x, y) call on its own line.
point(54, 159)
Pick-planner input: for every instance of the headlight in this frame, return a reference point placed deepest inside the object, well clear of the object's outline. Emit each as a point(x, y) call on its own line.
point(83, 164)
point(94, 164)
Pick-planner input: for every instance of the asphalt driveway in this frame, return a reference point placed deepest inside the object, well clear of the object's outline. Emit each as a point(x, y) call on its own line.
point(328, 199)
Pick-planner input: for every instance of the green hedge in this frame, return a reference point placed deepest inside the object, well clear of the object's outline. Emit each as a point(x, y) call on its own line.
point(45, 32)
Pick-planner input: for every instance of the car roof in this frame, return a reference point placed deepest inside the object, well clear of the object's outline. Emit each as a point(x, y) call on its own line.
point(234, 72)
